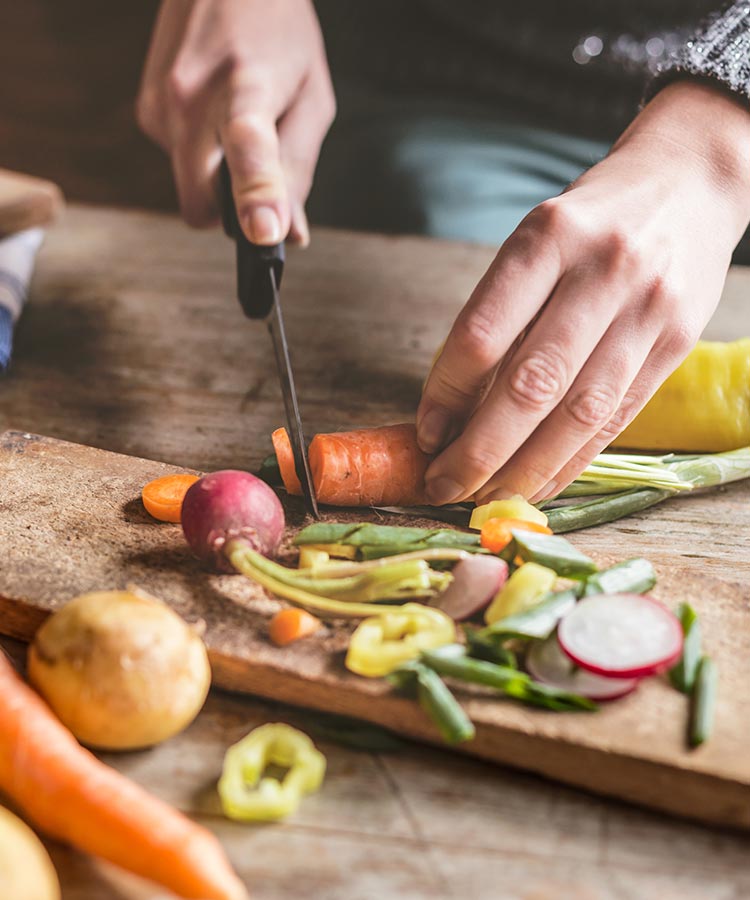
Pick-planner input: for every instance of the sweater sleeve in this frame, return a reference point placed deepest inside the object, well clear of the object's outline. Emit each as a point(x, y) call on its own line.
point(718, 51)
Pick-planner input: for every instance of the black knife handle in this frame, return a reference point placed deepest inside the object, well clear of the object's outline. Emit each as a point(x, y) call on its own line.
point(254, 287)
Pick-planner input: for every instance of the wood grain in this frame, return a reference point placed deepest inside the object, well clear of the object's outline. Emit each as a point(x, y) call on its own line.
point(73, 523)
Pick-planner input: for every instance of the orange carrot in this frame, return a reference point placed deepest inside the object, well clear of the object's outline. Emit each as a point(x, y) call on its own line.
point(163, 496)
point(370, 467)
point(289, 625)
point(68, 793)
point(285, 458)
point(496, 533)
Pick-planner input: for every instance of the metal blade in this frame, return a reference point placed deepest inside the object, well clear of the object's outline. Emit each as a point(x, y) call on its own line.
point(294, 423)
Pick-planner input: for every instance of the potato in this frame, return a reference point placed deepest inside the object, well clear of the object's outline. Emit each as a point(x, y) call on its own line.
point(26, 871)
point(120, 669)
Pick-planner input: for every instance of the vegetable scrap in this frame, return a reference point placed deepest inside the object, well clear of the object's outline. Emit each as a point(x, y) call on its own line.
point(292, 624)
point(163, 496)
point(249, 793)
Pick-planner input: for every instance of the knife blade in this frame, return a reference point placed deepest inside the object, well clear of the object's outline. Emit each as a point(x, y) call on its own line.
point(259, 271)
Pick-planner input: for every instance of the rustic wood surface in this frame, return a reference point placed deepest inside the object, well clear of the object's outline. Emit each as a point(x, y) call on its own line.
point(132, 342)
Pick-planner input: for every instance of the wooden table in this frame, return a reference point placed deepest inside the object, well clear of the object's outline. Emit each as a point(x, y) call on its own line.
point(132, 342)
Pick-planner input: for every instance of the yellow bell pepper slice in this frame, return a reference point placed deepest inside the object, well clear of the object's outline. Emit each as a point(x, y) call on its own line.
point(381, 644)
point(512, 508)
point(526, 587)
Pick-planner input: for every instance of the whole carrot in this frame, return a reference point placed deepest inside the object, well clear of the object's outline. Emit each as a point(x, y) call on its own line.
point(68, 793)
point(369, 467)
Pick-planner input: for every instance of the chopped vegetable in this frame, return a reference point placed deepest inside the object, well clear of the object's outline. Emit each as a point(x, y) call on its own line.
point(633, 576)
point(498, 533)
point(514, 508)
point(621, 635)
point(370, 467)
point(476, 580)
point(312, 558)
point(525, 588)
point(716, 372)
point(386, 641)
point(163, 496)
point(490, 647)
point(248, 794)
point(370, 541)
point(290, 625)
point(703, 702)
point(436, 700)
point(552, 552)
point(538, 622)
point(71, 795)
point(683, 674)
point(452, 662)
point(547, 663)
point(120, 669)
point(231, 505)
point(26, 871)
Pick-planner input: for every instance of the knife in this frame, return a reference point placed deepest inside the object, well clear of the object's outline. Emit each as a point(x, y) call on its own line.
point(259, 271)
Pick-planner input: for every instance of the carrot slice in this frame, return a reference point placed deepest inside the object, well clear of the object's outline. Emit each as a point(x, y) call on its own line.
point(163, 496)
point(68, 793)
point(285, 458)
point(370, 467)
point(290, 625)
point(497, 533)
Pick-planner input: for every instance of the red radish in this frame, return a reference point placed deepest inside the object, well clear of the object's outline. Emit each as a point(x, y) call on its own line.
point(476, 580)
point(547, 663)
point(231, 504)
point(621, 635)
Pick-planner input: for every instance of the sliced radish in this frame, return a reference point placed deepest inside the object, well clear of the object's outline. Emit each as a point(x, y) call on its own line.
point(547, 663)
point(621, 635)
point(476, 581)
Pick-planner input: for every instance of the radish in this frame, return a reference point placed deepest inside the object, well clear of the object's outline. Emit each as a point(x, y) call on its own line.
point(231, 505)
point(621, 635)
point(476, 581)
point(547, 663)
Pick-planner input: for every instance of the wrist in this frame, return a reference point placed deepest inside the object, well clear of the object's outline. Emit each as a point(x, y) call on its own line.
point(707, 128)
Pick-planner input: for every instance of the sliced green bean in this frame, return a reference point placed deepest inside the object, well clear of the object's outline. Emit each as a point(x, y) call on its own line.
point(682, 675)
point(606, 509)
point(551, 551)
point(703, 702)
point(634, 576)
point(538, 622)
point(436, 700)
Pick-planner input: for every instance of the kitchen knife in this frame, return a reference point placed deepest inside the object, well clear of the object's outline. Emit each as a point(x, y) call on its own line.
point(259, 271)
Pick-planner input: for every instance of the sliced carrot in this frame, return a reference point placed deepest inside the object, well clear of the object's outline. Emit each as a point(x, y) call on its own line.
point(163, 496)
point(285, 458)
point(68, 793)
point(497, 533)
point(290, 625)
point(370, 467)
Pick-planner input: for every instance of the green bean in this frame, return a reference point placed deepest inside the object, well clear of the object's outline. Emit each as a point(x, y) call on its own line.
point(538, 622)
point(682, 675)
point(436, 700)
point(703, 702)
point(605, 509)
point(551, 551)
point(634, 576)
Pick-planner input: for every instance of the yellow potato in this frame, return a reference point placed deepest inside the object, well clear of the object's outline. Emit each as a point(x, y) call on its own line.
point(26, 871)
point(120, 669)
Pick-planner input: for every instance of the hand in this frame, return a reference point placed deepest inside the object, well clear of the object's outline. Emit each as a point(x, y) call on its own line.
point(248, 78)
point(609, 286)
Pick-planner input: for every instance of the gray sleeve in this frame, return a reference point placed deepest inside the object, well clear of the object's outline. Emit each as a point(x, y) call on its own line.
point(719, 51)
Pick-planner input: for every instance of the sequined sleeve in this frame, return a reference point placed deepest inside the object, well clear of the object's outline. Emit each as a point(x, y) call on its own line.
point(719, 50)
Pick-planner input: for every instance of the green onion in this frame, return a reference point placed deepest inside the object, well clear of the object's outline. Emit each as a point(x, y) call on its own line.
point(703, 702)
point(436, 700)
point(633, 576)
point(683, 674)
point(605, 509)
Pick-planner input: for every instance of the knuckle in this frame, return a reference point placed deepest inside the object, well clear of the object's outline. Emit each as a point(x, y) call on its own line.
point(476, 338)
point(538, 381)
point(147, 110)
point(481, 459)
point(178, 90)
point(556, 217)
point(594, 407)
point(622, 250)
point(621, 417)
point(680, 338)
point(662, 297)
point(245, 78)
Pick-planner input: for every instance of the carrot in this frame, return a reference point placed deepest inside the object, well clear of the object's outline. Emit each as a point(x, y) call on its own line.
point(496, 533)
point(285, 458)
point(289, 625)
point(370, 467)
point(163, 496)
point(68, 793)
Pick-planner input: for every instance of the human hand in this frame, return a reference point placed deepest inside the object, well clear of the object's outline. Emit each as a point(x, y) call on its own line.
point(590, 304)
point(249, 79)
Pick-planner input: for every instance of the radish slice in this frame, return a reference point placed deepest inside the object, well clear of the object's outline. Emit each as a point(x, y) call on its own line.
point(621, 635)
point(476, 581)
point(547, 663)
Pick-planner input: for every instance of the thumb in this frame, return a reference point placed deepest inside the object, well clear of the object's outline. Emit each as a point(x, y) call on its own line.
point(251, 147)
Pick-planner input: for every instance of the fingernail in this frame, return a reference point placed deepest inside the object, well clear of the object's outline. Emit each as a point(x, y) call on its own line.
point(433, 428)
point(443, 490)
point(264, 226)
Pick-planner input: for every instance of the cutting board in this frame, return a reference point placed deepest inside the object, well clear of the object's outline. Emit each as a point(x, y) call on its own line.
point(71, 521)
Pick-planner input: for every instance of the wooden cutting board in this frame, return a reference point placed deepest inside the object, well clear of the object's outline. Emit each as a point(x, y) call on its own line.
point(71, 521)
